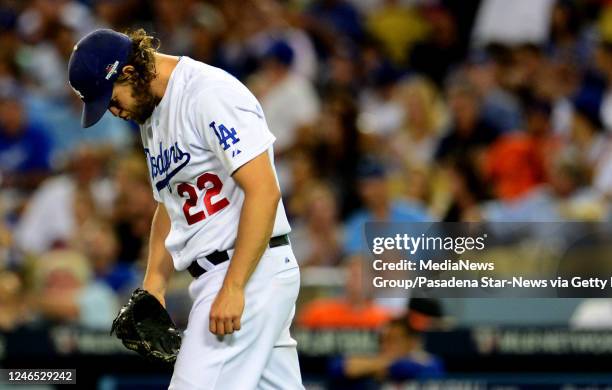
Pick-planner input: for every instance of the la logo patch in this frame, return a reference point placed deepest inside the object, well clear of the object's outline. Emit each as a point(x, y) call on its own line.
point(227, 137)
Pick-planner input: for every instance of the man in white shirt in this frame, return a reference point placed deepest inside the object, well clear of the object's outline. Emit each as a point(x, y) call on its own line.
point(220, 216)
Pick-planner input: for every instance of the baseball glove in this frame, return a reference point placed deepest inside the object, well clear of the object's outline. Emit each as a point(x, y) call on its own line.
point(144, 326)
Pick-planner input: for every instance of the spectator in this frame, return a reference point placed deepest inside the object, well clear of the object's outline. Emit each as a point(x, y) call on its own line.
point(341, 75)
point(289, 101)
point(97, 241)
point(378, 206)
point(338, 16)
point(413, 145)
point(317, 241)
point(566, 197)
point(558, 83)
point(441, 51)
point(594, 146)
point(282, 23)
point(516, 163)
point(65, 293)
point(54, 51)
point(380, 115)
point(67, 200)
point(24, 145)
point(39, 18)
point(468, 135)
point(354, 310)
point(570, 181)
point(63, 118)
point(568, 42)
point(501, 109)
point(401, 358)
point(527, 66)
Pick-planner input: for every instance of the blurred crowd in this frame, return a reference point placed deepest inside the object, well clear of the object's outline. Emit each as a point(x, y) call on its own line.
point(397, 110)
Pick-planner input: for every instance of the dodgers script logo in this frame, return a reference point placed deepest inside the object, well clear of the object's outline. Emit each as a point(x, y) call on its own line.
point(168, 162)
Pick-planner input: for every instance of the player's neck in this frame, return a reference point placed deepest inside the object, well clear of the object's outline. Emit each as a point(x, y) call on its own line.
point(164, 64)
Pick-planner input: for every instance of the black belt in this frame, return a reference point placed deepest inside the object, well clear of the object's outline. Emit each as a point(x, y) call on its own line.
point(219, 257)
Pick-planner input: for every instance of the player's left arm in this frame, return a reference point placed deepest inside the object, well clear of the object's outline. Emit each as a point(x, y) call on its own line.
point(261, 197)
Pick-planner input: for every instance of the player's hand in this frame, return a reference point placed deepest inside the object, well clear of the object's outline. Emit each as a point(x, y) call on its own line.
point(226, 310)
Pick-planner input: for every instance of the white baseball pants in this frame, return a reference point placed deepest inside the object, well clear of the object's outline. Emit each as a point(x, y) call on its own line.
point(262, 354)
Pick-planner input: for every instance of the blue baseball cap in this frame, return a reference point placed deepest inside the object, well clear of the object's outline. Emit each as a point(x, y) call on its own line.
point(281, 52)
point(370, 167)
point(96, 62)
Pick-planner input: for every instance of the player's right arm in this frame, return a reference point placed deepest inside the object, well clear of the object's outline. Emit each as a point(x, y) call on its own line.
point(159, 262)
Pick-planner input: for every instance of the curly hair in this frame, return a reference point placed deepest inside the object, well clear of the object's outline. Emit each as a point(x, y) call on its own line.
point(141, 58)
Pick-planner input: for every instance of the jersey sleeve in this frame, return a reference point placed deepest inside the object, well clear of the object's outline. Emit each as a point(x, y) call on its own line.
point(232, 125)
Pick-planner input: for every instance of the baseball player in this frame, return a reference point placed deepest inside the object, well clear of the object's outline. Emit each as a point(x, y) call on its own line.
point(220, 213)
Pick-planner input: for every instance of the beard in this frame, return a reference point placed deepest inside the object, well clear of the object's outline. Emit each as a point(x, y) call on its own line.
point(146, 102)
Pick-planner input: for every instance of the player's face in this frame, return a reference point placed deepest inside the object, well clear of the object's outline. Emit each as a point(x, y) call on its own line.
point(131, 103)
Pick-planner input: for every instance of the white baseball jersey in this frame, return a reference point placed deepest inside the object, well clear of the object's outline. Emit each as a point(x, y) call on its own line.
point(207, 125)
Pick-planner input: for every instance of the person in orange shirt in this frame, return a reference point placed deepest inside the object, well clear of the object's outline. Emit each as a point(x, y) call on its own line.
point(354, 310)
point(517, 162)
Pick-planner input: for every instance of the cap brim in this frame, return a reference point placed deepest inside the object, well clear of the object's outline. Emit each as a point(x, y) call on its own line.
point(95, 109)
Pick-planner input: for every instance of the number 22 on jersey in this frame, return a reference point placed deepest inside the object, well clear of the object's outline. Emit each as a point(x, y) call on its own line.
point(212, 186)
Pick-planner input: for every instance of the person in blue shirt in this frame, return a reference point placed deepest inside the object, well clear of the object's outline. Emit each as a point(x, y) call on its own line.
point(401, 357)
point(25, 146)
point(63, 120)
point(378, 206)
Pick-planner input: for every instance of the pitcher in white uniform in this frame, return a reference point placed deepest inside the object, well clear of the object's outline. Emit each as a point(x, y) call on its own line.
point(220, 214)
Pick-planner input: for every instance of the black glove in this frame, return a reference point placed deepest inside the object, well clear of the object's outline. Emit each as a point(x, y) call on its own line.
point(144, 326)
